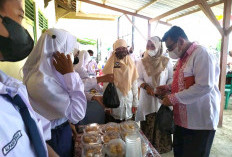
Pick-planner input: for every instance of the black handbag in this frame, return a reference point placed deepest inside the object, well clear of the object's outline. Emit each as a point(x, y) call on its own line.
point(164, 120)
point(110, 97)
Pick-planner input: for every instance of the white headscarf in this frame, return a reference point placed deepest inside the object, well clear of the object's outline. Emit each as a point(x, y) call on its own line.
point(81, 67)
point(47, 90)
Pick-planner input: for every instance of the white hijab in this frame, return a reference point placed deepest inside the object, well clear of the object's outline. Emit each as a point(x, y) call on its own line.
point(81, 67)
point(47, 90)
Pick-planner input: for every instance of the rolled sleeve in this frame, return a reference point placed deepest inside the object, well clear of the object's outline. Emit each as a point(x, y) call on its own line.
point(78, 103)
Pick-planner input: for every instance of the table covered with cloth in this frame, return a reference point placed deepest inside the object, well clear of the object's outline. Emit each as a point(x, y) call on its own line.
point(152, 152)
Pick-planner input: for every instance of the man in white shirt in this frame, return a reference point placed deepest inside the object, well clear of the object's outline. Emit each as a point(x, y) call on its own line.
point(22, 131)
point(195, 96)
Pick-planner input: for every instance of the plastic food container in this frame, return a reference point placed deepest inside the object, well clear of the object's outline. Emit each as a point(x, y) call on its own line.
point(144, 149)
point(92, 128)
point(90, 138)
point(115, 148)
point(128, 127)
point(111, 127)
point(95, 150)
point(108, 136)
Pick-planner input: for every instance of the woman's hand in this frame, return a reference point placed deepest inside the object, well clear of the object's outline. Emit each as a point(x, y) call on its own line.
point(99, 99)
point(62, 63)
point(162, 90)
point(134, 109)
point(106, 78)
point(150, 91)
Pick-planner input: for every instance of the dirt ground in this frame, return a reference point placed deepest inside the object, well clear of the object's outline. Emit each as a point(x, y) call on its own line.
point(222, 145)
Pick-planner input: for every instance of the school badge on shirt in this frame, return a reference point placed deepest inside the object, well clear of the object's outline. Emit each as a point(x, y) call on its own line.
point(10, 146)
point(117, 65)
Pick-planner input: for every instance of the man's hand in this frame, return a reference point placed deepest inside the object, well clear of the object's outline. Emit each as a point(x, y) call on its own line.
point(62, 63)
point(166, 101)
point(106, 78)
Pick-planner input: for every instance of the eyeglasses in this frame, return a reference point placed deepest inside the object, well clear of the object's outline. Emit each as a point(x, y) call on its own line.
point(171, 47)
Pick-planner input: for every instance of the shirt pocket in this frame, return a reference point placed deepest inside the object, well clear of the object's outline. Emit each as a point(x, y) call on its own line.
point(188, 71)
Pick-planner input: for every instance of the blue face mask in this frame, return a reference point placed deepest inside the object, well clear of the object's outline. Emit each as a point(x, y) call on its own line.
point(18, 45)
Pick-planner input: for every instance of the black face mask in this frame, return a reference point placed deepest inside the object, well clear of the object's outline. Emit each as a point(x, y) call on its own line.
point(18, 45)
point(76, 60)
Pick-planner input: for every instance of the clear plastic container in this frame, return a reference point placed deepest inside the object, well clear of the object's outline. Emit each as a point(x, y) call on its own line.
point(133, 145)
point(115, 148)
point(92, 128)
point(144, 149)
point(108, 136)
point(129, 126)
point(95, 150)
point(90, 138)
point(111, 127)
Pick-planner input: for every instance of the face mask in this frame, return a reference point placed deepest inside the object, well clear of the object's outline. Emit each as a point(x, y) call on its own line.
point(92, 57)
point(177, 53)
point(152, 53)
point(76, 60)
point(18, 45)
point(173, 55)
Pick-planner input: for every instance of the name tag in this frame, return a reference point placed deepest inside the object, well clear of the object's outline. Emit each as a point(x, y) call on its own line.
point(10, 146)
point(117, 65)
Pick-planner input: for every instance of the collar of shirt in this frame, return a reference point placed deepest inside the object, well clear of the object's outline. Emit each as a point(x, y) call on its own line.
point(190, 50)
point(8, 85)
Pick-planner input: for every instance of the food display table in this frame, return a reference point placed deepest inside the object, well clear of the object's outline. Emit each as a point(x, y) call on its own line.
point(152, 152)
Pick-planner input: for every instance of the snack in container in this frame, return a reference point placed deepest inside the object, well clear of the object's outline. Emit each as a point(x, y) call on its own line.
point(108, 136)
point(115, 148)
point(94, 150)
point(111, 127)
point(127, 128)
point(92, 128)
point(90, 138)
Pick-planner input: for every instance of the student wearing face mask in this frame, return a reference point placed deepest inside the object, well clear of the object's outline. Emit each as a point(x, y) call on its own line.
point(95, 104)
point(22, 131)
point(154, 70)
point(92, 65)
point(195, 96)
point(55, 90)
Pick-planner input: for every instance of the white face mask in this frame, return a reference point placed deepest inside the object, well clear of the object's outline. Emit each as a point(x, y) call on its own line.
point(152, 53)
point(175, 54)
